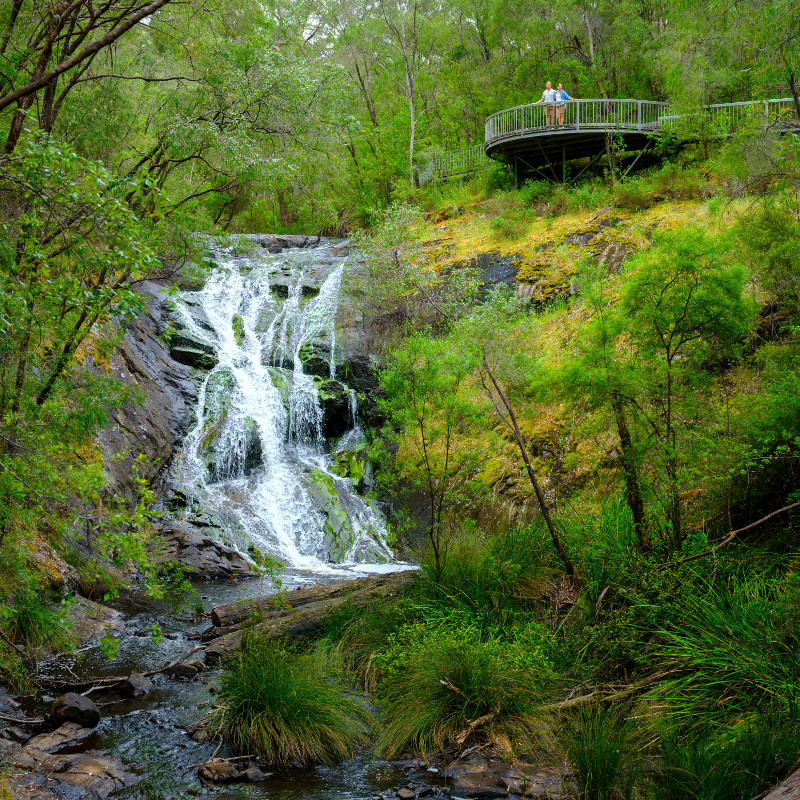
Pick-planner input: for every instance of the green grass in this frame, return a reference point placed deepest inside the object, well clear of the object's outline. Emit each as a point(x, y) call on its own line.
point(599, 743)
point(727, 766)
point(449, 685)
point(285, 706)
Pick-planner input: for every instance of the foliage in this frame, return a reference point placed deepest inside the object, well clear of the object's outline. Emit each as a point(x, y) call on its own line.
point(444, 685)
point(283, 705)
point(600, 745)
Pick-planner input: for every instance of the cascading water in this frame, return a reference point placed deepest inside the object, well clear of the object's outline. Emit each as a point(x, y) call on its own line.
point(256, 459)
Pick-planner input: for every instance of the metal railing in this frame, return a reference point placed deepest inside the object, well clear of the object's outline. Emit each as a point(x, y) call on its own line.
point(575, 115)
point(623, 115)
point(455, 162)
point(724, 118)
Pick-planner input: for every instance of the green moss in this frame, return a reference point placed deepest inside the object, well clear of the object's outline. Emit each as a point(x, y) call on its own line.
point(238, 329)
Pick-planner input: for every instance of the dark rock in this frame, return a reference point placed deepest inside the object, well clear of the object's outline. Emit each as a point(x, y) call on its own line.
point(158, 425)
point(15, 734)
point(136, 685)
point(255, 775)
point(201, 556)
point(218, 772)
point(72, 707)
point(335, 401)
point(194, 357)
point(182, 671)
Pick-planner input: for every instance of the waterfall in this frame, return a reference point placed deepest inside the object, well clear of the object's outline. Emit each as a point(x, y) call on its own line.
point(256, 459)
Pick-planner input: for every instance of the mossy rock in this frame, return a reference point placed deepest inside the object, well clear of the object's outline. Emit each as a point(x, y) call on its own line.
point(238, 329)
point(219, 394)
point(338, 532)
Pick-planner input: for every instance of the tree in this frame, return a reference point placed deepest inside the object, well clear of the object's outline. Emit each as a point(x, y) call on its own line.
point(423, 385)
point(683, 304)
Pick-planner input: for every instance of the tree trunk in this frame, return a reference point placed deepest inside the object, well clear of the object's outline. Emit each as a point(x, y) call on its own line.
point(632, 484)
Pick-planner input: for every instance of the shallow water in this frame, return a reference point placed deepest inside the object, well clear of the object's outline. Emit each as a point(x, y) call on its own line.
point(147, 733)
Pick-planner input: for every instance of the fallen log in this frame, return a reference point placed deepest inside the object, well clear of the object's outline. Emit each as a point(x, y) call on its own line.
point(788, 789)
point(302, 614)
point(227, 615)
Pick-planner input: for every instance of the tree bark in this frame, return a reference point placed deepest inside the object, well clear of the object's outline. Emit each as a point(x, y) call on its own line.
point(631, 473)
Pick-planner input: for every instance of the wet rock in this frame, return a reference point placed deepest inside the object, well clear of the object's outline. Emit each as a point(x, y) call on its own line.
point(13, 734)
point(194, 357)
point(183, 671)
point(480, 777)
point(201, 556)
point(196, 664)
point(255, 775)
point(88, 620)
point(335, 401)
point(72, 707)
point(88, 775)
point(136, 685)
point(67, 734)
point(406, 793)
point(156, 426)
point(218, 772)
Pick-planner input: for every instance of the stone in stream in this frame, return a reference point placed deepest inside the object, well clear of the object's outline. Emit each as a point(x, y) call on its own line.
point(183, 670)
point(218, 772)
point(72, 707)
point(136, 685)
point(69, 733)
point(406, 793)
point(255, 775)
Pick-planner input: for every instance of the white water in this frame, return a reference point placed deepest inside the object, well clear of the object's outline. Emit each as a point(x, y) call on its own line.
point(268, 401)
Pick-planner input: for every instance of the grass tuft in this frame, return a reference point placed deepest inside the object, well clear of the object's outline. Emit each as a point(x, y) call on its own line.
point(283, 705)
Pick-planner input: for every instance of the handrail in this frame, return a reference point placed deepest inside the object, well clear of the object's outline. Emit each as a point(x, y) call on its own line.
point(625, 115)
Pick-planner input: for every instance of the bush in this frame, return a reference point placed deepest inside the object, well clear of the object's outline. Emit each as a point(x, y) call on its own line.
point(599, 744)
point(442, 686)
point(635, 195)
point(32, 623)
point(534, 192)
point(282, 704)
point(725, 767)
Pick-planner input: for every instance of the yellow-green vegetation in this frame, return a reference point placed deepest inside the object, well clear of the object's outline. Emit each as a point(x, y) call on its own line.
point(284, 705)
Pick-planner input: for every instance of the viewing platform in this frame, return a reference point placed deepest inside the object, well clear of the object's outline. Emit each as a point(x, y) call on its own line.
point(521, 137)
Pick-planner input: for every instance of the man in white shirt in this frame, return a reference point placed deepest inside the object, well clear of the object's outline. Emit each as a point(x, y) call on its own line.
point(549, 100)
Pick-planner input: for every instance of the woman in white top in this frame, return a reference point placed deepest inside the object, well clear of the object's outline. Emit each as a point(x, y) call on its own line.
point(549, 100)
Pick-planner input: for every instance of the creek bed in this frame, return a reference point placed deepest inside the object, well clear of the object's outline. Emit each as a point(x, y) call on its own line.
point(148, 733)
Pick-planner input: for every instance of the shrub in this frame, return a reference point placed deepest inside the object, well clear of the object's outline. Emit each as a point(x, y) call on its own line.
point(444, 685)
point(725, 767)
point(283, 705)
point(30, 622)
point(599, 743)
point(635, 195)
point(534, 192)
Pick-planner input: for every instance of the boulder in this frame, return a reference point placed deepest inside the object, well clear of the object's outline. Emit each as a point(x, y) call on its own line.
point(196, 664)
point(183, 671)
point(136, 685)
point(218, 772)
point(67, 734)
point(406, 793)
point(194, 357)
point(334, 398)
point(201, 556)
point(72, 707)
point(255, 775)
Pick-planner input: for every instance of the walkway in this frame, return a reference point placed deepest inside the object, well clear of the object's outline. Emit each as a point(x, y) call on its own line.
point(520, 136)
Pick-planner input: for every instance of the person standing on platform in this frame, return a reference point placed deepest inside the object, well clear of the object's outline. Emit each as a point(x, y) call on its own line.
point(561, 98)
point(549, 100)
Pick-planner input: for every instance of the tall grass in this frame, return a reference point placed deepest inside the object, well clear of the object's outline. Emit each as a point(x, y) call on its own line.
point(600, 745)
point(725, 767)
point(282, 704)
point(445, 686)
point(491, 573)
point(731, 656)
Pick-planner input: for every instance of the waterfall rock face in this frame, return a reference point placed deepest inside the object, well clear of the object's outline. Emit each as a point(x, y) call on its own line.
point(272, 402)
point(248, 380)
